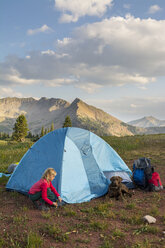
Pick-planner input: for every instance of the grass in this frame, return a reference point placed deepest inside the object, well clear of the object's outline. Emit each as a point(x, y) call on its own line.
point(100, 223)
point(145, 244)
point(154, 211)
point(20, 219)
point(82, 241)
point(117, 234)
point(46, 215)
point(69, 212)
point(34, 241)
point(131, 205)
point(55, 232)
point(129, 145)
point(146, 229)
point(4, 180)
point(11, 152)
point(106, 244)
point(97, 226)
point(132, 219)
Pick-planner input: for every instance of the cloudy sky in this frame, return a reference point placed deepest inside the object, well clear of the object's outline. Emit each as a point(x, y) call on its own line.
point(109, 53)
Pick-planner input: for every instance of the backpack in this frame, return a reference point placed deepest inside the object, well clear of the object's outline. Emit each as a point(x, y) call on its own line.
point(142, 172)
point(155, 183)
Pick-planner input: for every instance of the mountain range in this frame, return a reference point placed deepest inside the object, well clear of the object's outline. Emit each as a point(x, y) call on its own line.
point(148, 121)
point(150, 124)
point(45, 111)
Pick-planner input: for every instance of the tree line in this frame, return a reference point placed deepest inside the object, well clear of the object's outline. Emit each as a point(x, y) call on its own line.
point(21, 130)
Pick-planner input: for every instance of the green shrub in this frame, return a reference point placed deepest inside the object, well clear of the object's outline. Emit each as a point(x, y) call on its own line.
point(146, 229)
point(34, 241)
point(96, 225)
point(117, 233)
point(54, 232)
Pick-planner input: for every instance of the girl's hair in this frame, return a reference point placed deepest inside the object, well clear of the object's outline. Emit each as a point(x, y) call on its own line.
point(48, 172)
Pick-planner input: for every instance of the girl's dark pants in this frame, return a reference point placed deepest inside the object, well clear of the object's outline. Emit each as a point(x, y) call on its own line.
point(38, 196)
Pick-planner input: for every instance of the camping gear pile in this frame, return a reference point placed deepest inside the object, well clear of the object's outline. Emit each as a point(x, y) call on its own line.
point(144, 176)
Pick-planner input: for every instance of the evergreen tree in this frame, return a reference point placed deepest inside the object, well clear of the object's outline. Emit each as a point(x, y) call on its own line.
point(67, 122)
point(46, 131)
point(1, 135)
point(4, 136)
point(52, 127)
point(20, 128)
point(36, 137)
point(42, 132)
point(30, 136)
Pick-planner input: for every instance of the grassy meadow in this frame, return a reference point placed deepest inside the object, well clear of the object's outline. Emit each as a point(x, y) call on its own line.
point(102, 222)
point(11, 152)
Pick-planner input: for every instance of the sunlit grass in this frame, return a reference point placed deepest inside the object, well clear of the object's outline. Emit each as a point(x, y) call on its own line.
point(11, 152)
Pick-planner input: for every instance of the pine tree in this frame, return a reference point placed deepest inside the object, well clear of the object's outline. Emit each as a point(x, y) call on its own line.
point(52, 127)
point(67, 122)
point(30, 136)
point(20, 128)
point(36, 137)
point(42, 132)
point(46, 131)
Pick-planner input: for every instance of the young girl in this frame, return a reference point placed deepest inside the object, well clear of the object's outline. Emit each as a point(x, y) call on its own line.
point(44, 191)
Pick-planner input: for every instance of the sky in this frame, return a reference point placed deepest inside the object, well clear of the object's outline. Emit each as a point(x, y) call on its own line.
point(108, 53)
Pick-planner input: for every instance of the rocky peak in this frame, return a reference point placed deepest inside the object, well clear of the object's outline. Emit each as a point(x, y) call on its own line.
point(9, 100)
point(76, 101)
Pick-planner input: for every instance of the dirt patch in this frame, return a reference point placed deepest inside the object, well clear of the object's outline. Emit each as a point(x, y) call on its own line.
point(100, 223)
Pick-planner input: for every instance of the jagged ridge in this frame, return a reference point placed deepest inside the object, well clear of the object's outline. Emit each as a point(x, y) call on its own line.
point(44, 111)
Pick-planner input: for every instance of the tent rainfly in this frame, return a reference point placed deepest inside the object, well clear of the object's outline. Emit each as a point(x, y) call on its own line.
point(83, 161)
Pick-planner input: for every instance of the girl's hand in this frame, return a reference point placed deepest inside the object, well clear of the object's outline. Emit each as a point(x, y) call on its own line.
point(55, 204)
point(60, 199)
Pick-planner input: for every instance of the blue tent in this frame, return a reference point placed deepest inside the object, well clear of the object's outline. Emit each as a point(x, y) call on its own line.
point(83, 161)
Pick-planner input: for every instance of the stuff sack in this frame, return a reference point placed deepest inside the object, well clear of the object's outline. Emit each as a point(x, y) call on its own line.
point(155, 183)
point(142, 172)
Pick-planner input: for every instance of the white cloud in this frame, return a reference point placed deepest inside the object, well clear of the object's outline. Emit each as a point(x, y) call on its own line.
point(126, 6)
point(43, 29)
point(52, 53)
point(8, 92)
point(16, 78)
point(153, 9)
point(65, 41)
point(59, 82)
point(72, 10)
point(27, 56)
point(133, 105)
point(49, 52)
point(113, 52)
point(89, 87)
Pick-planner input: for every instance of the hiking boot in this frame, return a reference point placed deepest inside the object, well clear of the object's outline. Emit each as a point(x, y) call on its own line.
point(60, 204)
point(43, 207)
point(36, 204)
point(40, 205)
